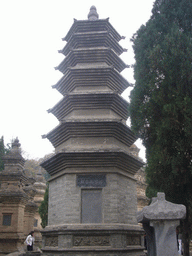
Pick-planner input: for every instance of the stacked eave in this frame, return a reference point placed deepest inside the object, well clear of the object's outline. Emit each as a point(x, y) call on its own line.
point(71, 160)
point(91, 81)
point(93, 76)
point(86, 40)
point(91, 129)
point(79, 101)
point(81, 26)
point(92, 55)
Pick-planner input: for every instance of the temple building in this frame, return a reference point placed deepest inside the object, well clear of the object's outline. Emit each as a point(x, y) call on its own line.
point(19, 200)
point(92, 189)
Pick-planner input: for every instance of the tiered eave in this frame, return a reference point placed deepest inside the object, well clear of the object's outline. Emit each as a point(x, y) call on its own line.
point(85, 101)
point(81, 26)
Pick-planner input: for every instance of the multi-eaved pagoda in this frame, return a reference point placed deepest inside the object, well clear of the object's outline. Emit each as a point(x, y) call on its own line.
point(92, 190)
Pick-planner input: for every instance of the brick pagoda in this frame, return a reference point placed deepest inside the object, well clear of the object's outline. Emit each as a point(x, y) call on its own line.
point(17, 206)
point(92, 189)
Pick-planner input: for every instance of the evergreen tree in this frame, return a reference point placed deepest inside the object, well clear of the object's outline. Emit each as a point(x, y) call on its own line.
point(161, 101)
point(2, 152)
point(43, 209)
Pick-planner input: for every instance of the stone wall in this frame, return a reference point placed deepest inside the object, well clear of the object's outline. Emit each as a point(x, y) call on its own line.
point(116, 194)
point(63, 194)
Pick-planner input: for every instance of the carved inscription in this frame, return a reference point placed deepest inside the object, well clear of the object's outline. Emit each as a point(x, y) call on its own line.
point(91, 241)
point(91, 206)
point(133, 240)
point(51, 241)
point(92, 180)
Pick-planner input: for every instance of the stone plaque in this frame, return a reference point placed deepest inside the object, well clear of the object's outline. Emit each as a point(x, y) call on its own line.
point(91, 241)
point(51, 241)
point(133, 240)
point(92, 180)
point(91, 206)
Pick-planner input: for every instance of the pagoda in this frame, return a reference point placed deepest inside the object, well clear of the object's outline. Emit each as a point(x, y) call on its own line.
point(92, 189)
point(17, 206)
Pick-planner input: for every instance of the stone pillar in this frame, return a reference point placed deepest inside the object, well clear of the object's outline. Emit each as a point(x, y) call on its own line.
point(160, 220)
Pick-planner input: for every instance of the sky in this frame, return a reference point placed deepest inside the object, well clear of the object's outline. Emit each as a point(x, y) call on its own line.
point(31, 33)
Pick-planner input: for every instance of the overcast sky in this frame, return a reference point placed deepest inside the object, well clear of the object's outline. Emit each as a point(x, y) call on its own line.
point(30, 37)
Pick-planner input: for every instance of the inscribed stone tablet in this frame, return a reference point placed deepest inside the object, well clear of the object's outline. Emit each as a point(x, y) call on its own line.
point(92, 180)
point(91, 211)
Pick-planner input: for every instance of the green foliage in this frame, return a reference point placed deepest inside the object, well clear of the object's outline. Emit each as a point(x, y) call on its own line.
point(3, 151)
point(161, 101)
point(43, 209)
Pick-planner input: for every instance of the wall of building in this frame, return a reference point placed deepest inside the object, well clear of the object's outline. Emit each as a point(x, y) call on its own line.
point(118, 200)
point(64, 198)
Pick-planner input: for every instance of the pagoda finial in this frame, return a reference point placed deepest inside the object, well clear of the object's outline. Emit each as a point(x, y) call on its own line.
point(15, 144)
point(93, 15)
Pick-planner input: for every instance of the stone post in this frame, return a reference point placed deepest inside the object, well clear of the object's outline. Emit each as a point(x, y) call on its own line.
point(160, 220)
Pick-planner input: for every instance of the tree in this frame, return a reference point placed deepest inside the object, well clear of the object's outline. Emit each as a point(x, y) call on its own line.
point(161, 102)
point(43, 209)
point(32, 167)
point(3, 151)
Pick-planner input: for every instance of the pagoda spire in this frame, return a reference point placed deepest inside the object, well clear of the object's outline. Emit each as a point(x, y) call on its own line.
point(16, 145)
point(93, 15)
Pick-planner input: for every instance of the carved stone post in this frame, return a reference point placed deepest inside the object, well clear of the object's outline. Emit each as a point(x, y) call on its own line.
point(160, 220)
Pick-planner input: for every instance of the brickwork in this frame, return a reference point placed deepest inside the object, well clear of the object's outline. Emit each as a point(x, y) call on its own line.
point(119, 200)
point(64, 199)
point(127, 199)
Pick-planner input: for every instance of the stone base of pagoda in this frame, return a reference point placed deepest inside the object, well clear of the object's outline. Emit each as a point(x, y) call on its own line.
point(10, 244)
point(93, 239)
